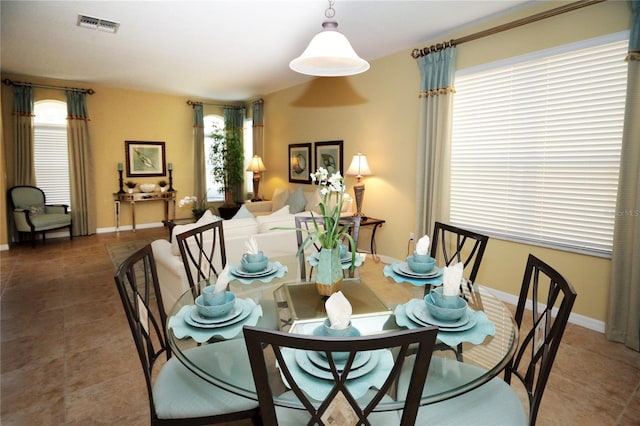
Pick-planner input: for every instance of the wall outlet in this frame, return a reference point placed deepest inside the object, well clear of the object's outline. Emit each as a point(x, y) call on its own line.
point(411, 236)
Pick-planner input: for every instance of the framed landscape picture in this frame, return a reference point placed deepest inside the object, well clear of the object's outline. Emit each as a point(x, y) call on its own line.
point(300, 162)
point(329, 155)
point(145, 158)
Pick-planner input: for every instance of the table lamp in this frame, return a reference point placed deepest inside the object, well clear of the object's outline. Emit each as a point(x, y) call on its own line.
point(256, 166)
point(358, 168)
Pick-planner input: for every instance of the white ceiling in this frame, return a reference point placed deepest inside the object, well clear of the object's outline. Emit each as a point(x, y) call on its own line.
point(216, 49)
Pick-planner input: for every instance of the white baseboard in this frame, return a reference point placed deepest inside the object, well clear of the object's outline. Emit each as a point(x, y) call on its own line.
point(581, 320)
point(129, 227)
point(98, 231)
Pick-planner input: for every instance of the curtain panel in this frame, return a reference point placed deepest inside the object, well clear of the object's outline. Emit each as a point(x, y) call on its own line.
point(437, 73)
point(82, 187)
point(199, 160)
point(258, 128)
point(24, 172)
point(623, 319)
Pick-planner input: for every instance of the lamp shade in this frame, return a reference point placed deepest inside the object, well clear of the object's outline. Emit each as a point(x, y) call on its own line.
point(359, 166)
point(329, 54)
point(256, 164)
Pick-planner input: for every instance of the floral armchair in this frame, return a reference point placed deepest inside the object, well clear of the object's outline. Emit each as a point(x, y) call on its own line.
point(32, 214)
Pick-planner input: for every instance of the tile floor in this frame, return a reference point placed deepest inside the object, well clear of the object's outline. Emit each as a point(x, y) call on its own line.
point(67, 357)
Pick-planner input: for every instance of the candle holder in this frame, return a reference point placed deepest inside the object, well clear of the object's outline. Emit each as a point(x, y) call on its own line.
point(171, 189)
point(121, 191)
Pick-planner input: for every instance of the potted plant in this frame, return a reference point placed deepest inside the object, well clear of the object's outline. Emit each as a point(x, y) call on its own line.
point(330, 233)
point(227, 158)
point(130, 186)
point(163, 185)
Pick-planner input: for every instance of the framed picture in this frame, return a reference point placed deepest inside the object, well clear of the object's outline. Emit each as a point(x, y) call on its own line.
point(300, 162)
point(329, 155)
point(145, 158)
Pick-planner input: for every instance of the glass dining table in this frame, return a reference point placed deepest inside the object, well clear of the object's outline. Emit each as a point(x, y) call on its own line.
point(463, 359)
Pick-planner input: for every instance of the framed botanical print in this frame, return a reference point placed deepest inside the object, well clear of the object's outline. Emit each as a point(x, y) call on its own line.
point(329, 155)
point(300, 162)
point(145, 158)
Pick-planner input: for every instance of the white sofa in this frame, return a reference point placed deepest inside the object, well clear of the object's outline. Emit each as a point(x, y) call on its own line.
point(256, 219)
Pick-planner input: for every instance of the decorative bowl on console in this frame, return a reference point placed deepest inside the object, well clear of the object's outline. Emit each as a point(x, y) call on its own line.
point(147, 187)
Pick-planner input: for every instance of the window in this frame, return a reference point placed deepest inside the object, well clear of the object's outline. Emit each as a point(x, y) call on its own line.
point(536, 146)
point(51, 154)
point(213, 189)
point(210, 122)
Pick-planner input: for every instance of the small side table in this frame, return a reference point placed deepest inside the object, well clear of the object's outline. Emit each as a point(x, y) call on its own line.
point(371, 221)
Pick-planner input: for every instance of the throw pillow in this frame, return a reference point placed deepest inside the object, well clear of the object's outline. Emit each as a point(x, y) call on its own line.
point(207, 217)
point(280, 197)
point(37, 209)
point(296, 201)
point(313, 199)
point(243, 213)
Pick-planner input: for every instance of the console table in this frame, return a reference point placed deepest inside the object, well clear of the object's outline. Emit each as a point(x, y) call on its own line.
point(375, 223)
point(169, 199)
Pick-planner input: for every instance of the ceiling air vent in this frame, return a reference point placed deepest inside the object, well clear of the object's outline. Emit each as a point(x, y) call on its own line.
point(98, 24)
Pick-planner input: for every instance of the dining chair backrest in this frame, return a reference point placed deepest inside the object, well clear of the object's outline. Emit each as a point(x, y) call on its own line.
point(260, 342)
point(137, 281)
point(451, 244)
point(552, 298)
point(305, 224)
point(176, 394)
point(203, 252)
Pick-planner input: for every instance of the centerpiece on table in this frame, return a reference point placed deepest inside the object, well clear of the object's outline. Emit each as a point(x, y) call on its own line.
point(329, 233)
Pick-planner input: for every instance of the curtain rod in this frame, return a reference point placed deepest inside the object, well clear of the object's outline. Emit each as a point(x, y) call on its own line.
point(46, 86)
point(192, 103)
point(417, 53)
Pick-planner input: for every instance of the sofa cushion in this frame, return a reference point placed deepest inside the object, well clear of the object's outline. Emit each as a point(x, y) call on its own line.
point(280, 197)
point(207, 217)
point(296, 201)
point(280, 219)
point(243, 213)
point(240, 227)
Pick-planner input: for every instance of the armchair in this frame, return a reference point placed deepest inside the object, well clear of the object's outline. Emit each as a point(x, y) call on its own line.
point(32, 214)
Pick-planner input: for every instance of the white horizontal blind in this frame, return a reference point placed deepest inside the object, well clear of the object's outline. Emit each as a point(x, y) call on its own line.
point(51, 157)
point(536, 148)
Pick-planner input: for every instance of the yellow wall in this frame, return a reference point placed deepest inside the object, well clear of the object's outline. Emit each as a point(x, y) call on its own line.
point(377, 113)
point(118, 115)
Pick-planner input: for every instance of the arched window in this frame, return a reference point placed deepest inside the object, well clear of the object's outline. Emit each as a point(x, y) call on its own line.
point(51, 153)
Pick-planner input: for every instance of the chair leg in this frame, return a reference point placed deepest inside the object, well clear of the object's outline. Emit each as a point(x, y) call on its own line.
point(33, 239)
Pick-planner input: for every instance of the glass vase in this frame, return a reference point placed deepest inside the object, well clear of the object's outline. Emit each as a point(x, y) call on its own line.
point(329, 271)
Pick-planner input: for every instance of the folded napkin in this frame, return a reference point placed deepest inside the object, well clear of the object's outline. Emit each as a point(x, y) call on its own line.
point(252, 245)
point(223, 280)
point(338, 310)
point(451, 279)
point(422, 246)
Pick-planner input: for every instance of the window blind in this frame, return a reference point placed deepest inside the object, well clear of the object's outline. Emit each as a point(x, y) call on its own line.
point(536, 148)
point(51, 159)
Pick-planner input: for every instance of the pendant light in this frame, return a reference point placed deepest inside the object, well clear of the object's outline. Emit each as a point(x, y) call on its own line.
point(329, 53)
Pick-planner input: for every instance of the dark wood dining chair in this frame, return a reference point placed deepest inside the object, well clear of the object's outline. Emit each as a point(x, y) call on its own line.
point(176, 394)
point(496, 402)
point(305, 224)
point(451, 244)
point(203, 253)
point(339, 406)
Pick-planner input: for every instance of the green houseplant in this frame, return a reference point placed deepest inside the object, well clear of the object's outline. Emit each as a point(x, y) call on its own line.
point(227, 158)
